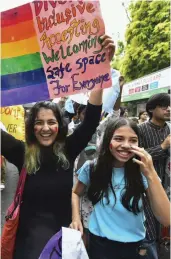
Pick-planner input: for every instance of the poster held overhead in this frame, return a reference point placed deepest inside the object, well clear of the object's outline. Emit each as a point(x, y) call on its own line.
point(52, 49)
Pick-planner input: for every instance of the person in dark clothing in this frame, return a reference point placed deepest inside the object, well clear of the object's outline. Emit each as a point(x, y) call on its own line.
point(79, 117)
point(48, 157)
point(61, 103)
point(123, 112)
point(135, 120)
point(155, 133)
point(155, 139)
point(81, 112)
point(69, 116)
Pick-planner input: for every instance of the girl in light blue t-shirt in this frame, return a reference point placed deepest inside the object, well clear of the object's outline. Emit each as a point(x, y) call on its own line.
point(116, 184)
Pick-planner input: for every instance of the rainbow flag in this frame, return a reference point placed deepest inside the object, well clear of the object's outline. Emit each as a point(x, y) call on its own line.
point(23, 79)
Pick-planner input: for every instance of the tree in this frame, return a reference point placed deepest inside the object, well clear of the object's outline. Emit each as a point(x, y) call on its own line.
point(147, 38)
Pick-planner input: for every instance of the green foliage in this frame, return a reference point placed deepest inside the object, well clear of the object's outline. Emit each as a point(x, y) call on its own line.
point(147, 39)
point(116, 62)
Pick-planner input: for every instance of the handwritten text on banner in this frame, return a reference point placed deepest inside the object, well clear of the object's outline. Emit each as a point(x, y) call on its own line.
point(71, 52)
point(52, 49)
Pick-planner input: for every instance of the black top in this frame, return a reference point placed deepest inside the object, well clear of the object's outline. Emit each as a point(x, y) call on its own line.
point(151, 138)
point(46, 203)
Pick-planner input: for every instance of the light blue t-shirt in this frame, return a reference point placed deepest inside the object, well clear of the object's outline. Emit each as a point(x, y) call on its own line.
point(114, 222)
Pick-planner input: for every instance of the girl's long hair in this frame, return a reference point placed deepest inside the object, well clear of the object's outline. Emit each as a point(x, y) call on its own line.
point(32, 147)
point(101, 176)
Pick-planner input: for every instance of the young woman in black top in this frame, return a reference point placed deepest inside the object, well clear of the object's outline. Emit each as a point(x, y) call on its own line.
point(48, 156)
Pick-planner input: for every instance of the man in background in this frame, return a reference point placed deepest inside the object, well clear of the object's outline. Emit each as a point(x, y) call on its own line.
point(155, 133)
point(155, 139)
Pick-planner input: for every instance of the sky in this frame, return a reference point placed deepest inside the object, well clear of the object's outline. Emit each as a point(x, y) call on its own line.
point(115, 17)
point(113, 14)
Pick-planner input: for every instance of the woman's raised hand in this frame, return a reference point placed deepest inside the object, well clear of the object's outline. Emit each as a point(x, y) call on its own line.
point(109, 45)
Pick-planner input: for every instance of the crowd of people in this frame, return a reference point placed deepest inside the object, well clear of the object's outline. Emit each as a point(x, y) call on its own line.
point(102, 174)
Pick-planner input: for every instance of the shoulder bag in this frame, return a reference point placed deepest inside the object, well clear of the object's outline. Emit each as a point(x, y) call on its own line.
point(12, 219)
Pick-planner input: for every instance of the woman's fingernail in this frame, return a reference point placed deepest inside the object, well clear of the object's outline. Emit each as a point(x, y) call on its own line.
point(133, 160)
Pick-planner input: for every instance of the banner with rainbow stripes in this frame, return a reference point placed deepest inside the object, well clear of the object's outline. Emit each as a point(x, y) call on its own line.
point(34, 69)
point(23, 79)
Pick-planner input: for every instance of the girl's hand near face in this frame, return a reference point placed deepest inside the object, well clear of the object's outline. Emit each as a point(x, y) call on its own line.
point(146, 162)
point(159, 201)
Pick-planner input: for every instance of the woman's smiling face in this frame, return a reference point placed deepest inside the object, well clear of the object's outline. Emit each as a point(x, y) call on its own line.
point(120, 145)
point(45, 127)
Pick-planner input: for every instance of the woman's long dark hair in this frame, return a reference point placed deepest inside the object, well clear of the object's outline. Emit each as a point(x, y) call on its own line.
point(101, 176)
point(140, 113)
point(32, 153)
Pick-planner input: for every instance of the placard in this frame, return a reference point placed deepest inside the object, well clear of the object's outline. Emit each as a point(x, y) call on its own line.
point(13, 119)
point(52, 49)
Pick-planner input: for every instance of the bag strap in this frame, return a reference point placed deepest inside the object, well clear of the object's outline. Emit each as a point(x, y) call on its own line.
point(21, 183)
point(18, 193)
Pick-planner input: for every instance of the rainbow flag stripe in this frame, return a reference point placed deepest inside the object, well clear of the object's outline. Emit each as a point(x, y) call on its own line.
point(21, 66)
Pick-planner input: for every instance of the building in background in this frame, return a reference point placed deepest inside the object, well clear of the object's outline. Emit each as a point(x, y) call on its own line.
point(136, 93)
